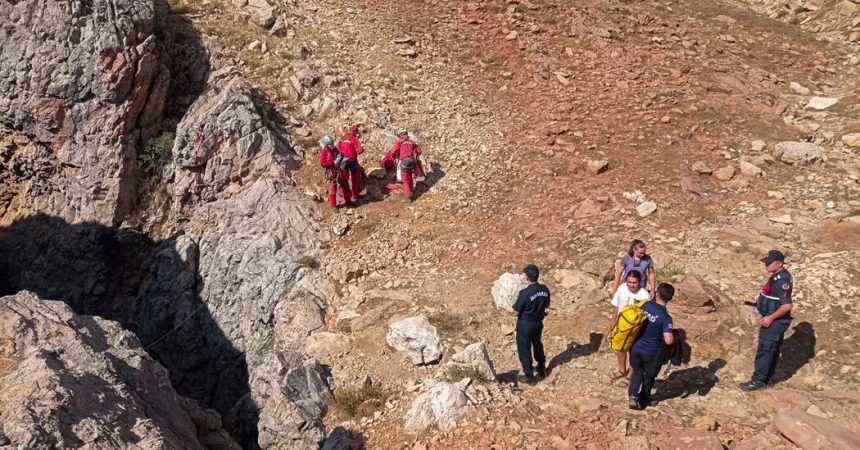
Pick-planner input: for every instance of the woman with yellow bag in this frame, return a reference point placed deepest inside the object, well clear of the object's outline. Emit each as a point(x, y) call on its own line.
point(623, 334)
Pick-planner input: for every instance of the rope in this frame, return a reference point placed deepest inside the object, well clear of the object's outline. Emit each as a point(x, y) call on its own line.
point(176, 327)
point(198, 185)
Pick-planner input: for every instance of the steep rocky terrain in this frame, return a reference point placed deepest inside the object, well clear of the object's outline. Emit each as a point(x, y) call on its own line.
point(555, 133)
point(73, 381)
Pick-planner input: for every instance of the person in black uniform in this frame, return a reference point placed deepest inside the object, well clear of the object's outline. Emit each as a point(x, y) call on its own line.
point(774, 305)
point(530, 310)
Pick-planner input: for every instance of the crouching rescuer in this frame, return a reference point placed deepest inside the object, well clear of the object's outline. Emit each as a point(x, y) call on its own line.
point(407, 154)
point(331, 160)
point(530, 310)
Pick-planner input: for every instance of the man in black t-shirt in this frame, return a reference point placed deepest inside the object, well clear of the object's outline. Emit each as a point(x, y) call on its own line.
point(530, 310)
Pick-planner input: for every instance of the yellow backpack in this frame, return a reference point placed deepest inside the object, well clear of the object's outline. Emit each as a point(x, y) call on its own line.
point(627, 325)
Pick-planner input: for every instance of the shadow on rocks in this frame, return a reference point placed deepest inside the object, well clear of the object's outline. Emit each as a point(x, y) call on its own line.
point(684, 383)
point(151, 288)
point(377, 188)
point(435, 174)
point(183, 53)
point(342, 438)
point(575, 350)
point(797, 350)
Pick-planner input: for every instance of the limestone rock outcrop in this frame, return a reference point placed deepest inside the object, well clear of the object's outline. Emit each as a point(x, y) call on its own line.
point(474, 360)
point(506, 289)
point(221, 300)
point(79, 80)
point(82, 381)
point(240, 141)
point(416, 339)
point(441, 405)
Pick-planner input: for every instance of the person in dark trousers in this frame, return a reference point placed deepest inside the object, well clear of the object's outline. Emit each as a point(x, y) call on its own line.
point(774, 305)
point(530, 310)
point(643, 355)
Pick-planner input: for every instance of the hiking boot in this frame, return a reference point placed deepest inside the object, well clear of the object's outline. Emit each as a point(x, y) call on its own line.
point(541, 371)
point(528, 379)
point(334, 209)
point(644, 402)
point(753, 385)
point(407, 200)
point(633, 403)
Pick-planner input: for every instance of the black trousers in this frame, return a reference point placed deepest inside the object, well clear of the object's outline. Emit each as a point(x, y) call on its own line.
point(767, 355)
point(528, 339)
point(645, 370)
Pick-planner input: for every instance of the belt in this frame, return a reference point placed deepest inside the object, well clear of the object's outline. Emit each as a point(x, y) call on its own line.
point(529, 319)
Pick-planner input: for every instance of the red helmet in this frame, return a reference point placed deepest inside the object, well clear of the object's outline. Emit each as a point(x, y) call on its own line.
point(354, 129)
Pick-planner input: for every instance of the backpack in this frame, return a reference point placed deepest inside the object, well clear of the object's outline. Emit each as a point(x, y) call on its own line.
point(627, 326)
point(408, 149)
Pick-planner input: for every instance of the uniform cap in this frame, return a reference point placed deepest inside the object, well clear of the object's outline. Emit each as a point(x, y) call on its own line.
point(773, 255)
point(532, 272)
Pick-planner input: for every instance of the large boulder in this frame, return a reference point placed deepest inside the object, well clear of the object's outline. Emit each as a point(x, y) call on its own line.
point(575, 279)
point(799, 152)
point(79, 80)
point(70, 380)
point(292, 397)
point(506, 289)
point(228, 138)
point(441, 405)
point(474, 361)
point(694, 308)
point(416, 338)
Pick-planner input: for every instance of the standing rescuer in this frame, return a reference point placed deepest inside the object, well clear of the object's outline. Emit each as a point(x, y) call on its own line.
point(350, 147)
point(774, 305)
point(330, 160)
point(530, 310)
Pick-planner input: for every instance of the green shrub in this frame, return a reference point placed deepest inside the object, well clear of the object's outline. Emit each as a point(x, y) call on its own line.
point(349, 400)
point(307, 261)
point(456, 373)
point(154, 153)
point(179, 7)
point(669, 273)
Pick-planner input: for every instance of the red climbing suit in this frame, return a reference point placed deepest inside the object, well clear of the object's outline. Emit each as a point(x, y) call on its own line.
point(350, 147)
point(335, 176)
point(406, 152)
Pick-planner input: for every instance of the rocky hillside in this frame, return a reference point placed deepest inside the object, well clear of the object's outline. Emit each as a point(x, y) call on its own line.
point(211, 278)
point(159, 173)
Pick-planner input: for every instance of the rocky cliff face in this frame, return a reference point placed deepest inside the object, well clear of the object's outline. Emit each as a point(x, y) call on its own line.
point(218, 298)
point(79, 80)
point(72, 381)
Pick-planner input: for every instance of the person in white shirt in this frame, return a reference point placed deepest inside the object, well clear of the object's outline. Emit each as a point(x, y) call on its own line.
point(626, 294)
